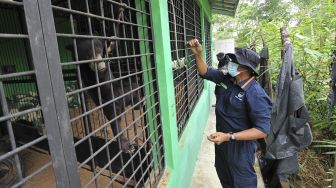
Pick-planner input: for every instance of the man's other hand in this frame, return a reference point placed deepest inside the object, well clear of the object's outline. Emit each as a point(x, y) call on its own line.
point(219, 137)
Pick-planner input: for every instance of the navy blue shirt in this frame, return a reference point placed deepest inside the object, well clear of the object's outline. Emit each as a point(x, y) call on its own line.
point(239, 109)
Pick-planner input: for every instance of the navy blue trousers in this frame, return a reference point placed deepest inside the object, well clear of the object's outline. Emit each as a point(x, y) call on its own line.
point(234, 164)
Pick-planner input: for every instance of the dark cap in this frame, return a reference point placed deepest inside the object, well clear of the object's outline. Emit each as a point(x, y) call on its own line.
point(246, 57)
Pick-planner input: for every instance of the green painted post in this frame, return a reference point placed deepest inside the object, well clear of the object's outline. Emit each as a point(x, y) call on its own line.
point(147, 76)
point(204, 4)
point(160, 22)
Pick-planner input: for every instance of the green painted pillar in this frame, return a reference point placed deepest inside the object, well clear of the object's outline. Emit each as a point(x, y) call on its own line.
point(147, 77)
point(205, 6)
point(160, 21)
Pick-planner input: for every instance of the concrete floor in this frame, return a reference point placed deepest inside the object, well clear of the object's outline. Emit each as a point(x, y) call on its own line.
point(205, 175)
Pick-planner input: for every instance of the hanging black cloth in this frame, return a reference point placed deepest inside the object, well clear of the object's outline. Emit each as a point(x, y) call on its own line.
point(290, 131)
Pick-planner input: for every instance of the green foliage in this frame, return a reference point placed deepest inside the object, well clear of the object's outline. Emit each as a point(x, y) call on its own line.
point(311, 26)
point(329, 144)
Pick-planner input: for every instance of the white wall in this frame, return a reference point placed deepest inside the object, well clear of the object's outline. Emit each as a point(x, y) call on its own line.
point(226, 46)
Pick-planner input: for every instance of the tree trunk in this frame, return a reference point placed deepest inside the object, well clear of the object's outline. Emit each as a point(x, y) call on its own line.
point(285, 40)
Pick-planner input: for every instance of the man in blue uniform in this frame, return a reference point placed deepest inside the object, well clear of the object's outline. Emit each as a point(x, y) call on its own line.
point(242, 115)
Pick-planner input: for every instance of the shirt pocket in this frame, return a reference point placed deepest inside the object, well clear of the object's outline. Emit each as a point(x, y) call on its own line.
point(236, 106)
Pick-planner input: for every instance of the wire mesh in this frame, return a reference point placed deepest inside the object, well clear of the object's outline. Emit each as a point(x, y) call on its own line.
point(22, 124)
point(184, 24)
point(208, 41)
point(107, 54)
point(176, 25)
point(199, 36)
point(192, 72)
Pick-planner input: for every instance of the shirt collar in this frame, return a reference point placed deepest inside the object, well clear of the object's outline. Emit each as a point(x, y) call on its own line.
point(240, 84)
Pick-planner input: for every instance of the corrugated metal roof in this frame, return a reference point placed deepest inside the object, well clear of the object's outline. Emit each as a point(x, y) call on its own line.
point(225, 7)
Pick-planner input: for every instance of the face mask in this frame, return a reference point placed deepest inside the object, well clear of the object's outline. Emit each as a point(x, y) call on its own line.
point(233, 69)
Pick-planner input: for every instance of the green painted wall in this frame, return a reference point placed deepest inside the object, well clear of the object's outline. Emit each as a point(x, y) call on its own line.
point(180, 154)
point(14, 52)
point(190, 142)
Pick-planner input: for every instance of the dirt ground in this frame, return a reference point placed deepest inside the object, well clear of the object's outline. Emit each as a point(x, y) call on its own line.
point(312, 170)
